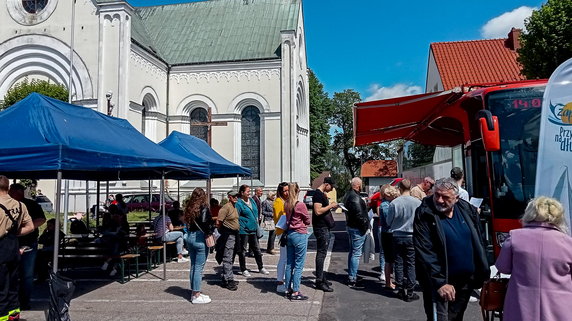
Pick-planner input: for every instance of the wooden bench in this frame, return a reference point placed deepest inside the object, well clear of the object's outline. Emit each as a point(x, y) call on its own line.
point(126, 258)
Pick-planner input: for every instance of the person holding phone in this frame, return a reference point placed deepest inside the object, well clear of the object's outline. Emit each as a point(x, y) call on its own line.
point(322, 207)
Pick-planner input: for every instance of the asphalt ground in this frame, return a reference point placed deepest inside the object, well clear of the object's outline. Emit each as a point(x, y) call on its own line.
point(149, 298)
point(373, 302)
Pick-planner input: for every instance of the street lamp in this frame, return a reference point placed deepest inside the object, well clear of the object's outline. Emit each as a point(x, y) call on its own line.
point(109, 104)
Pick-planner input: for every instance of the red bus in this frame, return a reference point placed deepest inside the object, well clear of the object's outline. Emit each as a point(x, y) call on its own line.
point(496, 124)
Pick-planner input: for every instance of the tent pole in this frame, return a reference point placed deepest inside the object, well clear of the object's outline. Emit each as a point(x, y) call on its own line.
point(87, 213)
point(237, 182)
point(209, 187)
point(57, 234)
point(66, 204)
point(97, 200)
point(150, 199)
point(107, 192)
point(179, 191)
point(161, 200)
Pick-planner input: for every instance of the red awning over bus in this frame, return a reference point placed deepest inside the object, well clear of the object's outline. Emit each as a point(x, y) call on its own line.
point(426, 118)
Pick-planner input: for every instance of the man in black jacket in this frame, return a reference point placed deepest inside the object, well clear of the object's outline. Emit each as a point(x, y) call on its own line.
point(450, 253)
point(357, 223)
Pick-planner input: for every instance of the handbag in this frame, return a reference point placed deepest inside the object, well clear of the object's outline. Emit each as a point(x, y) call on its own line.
point(329, 220)
point(268, 225)
point(284, 237)
point(492, 296)
point(209, 239)
point(259, 232)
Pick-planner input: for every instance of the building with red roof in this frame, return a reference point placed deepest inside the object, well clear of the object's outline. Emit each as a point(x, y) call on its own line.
point(453, 64)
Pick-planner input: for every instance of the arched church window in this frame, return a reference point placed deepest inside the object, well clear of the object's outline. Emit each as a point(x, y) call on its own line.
point(199, 115)
point(250, 140)
point(149, 104)
point(34, 6)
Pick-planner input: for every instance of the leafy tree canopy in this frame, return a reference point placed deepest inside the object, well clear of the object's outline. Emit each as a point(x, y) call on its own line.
point(320, 113)
point(352, 157)
point(22, 89)
point(548, 40)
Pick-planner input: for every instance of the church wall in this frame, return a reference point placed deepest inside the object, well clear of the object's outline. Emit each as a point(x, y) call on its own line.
point(52, 28)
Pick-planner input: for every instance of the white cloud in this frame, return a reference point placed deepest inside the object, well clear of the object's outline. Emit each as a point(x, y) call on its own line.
point(378, 92)
point(499, 27)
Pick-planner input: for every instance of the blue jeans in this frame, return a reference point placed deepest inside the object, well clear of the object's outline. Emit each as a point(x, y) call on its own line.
point(381, 254)
point(27, 265)
point(356, 250)
point(175, 236)
point(295, 257)
point(198, 252)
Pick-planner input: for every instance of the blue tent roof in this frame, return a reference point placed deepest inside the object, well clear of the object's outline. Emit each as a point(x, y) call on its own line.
point(44, 135)
point(198, 150)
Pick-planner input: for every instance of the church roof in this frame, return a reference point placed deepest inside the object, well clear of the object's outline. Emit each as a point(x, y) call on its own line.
point(214, 30)
point(478, 61)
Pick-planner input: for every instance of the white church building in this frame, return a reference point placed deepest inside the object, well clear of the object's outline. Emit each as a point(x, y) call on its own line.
point(163, 67)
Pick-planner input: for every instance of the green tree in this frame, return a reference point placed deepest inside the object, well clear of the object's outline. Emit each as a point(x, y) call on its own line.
point(418, 155)
point(22, 89)
point(548, 40)
point(352, 157)
point(320, 113)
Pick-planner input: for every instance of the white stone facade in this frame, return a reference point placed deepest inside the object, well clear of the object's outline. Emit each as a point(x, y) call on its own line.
point(157, 98)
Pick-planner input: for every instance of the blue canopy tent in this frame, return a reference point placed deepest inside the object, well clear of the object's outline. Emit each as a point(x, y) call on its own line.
point(198, 150)
point(44, 135)
point(48, 138)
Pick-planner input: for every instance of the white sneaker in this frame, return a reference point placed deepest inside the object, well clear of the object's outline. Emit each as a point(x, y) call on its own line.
point(113, 272)
point(264, 271)
point(281, 288)
point(381, 277)
point(246, 273)
point(371, 257)
point(473, 299)
point(185, 252)
point(204, 296)
point(104, 266)
point(201, 300)
point(181, 260)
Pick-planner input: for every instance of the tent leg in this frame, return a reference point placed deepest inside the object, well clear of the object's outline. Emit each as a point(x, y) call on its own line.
point(179, 191)
point(57, 235)
point(150, 199)
point(209, 187)
point(97, 200)
point(161, 201)
point(87, 213)
point(66, 204)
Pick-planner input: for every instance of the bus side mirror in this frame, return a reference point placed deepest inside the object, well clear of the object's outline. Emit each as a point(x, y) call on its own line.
point(489, 130)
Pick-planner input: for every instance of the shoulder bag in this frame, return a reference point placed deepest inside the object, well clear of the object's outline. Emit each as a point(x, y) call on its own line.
point(492, 296)
point(284, 237)
point(209, 239)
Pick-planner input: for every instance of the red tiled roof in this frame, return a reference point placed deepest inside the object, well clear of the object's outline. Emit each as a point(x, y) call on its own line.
point(379, 168)
point(472, 62)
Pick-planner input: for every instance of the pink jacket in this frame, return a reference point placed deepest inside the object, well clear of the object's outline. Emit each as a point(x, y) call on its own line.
point(300, 219)
point(539, 257)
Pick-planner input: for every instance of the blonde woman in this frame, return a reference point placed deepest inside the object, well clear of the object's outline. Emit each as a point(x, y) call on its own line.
point(298, 220)
point(268, 219)
point(539, 259)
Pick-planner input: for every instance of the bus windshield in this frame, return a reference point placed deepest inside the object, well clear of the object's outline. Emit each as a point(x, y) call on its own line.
point(514, 166)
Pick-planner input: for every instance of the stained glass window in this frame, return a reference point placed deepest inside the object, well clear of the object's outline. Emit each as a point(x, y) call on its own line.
point(250, 137)
point(199, 115)
point(34, 6)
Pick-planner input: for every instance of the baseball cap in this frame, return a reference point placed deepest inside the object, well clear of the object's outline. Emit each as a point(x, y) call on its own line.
point(329, 180)
point(233, 193)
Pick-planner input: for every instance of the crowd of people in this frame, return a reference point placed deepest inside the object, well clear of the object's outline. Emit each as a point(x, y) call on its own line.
point(429, 235)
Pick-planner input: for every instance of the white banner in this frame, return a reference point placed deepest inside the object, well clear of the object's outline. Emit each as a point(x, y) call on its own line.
point(554, 169)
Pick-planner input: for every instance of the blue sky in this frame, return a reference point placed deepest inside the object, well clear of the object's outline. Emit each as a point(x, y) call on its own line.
point(380, 48)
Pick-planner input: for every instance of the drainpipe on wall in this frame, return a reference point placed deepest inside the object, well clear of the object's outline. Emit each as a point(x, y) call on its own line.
point(167, 101)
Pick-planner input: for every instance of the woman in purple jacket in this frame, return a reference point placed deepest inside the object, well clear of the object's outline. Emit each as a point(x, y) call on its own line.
point(539, 259)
